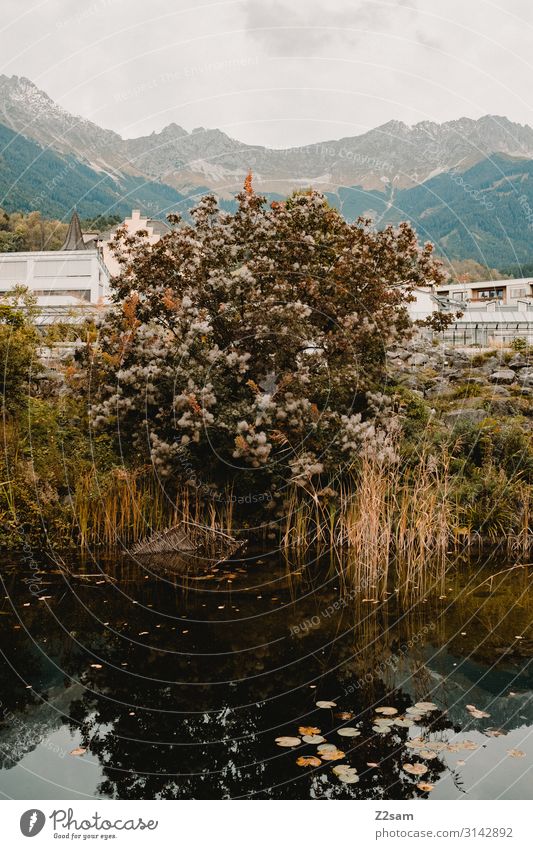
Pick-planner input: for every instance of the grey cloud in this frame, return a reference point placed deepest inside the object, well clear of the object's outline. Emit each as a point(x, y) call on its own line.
point(292, 28)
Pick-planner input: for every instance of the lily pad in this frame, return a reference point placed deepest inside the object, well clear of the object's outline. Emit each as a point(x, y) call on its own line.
point(381, 720)
point(342, 769)
point(309, 761)
point(349, 778)
point(381, 729)
point(348, 731)
point(425, 787)
point(288, 742)
point(313, 738)
point(78, 752)
point(415, 769)
point(326, 704)
point(404, 723)
point(345, 715)
point(516, 753)
point(426, 706)
point(326, 747)
point(427, 754)
point(387, 711)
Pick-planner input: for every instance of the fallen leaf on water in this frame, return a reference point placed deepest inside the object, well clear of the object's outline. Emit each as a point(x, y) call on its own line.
point(348, 732)
point(96, 666)
point(414, 712)
point(326, 704)
point(404, 723)
point(427, 754)
point(288, 741)
point(387, 711)
point(461, 763)
point(381, 729)
point(382, 720)
point(308, 730)
point(415, 769)
point(495, 732)
point(313, 738)
point(311, 761)
point(426, 788)
point(516, 753)
point(77, 752)
point(344, 714)
point(337, 755)
point(371, 763)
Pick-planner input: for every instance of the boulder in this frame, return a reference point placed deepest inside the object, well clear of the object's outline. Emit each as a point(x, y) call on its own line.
point(503, 375)
point(472, 416)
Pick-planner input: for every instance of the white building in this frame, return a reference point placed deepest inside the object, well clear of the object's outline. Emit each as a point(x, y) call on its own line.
point(75, 276)
point(510, 293)
point(154, 228)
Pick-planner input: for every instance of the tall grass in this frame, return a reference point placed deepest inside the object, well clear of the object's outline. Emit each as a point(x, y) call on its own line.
point(123, 507)
point(387, 516)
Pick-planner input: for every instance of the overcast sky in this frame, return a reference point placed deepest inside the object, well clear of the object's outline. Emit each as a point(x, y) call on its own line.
point(274, 72)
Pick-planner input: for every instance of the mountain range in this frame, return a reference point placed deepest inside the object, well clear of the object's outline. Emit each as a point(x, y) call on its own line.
point(467, 185)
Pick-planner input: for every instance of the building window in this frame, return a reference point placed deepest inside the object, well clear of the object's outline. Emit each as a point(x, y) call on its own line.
point(82, 294)
point(518, 293)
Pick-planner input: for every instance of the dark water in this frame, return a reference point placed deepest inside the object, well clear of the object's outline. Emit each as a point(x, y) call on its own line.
point(180, 692)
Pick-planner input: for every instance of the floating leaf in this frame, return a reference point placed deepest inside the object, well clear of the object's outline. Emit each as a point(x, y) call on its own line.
point(327, 747)
point(495, 732)
point(349, 778)
point(326, 704)
point(348, 732)
point(404, 723)
point(387, 711)
point(414, 712)
point(337, 755)
point(427, 754)
point(435, 746)
point(516, 753)
point(309, 730)
point(77, 752)
point(310, 761)
point(96, 666)
point(372, 763)
point(415, 769)
point(344, 714)
point(426, 706)
point(343, 769)
point(417, 743)
point(386, 723)
point(426, 788)
point(313, 738)
point(381, 729)
point(287, 742)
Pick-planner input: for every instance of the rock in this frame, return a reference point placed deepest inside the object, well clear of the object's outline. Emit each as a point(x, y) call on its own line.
point(500, 392)
point(398, 354)
point(525, 377)
point(418, 360)
point(438, 390)
point(504, 375)
point(472, 416)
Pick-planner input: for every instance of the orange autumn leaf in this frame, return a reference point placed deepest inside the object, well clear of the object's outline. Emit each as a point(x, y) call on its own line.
point(308, 729)
point(248, 188)
point(337, 755)
point(310, 761)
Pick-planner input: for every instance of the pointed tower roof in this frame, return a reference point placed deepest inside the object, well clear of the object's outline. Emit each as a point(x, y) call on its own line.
point(74, 240)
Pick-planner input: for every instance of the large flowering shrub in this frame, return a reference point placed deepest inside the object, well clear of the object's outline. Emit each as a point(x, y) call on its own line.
point(248, 348)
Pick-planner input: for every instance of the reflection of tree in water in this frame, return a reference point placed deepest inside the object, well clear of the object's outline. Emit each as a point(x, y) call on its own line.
point(166, 726)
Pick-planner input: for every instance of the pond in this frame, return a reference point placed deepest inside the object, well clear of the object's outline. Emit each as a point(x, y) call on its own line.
point(118, 683)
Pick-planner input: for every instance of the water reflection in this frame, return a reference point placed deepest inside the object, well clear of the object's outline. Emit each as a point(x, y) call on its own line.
point(178, 689)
